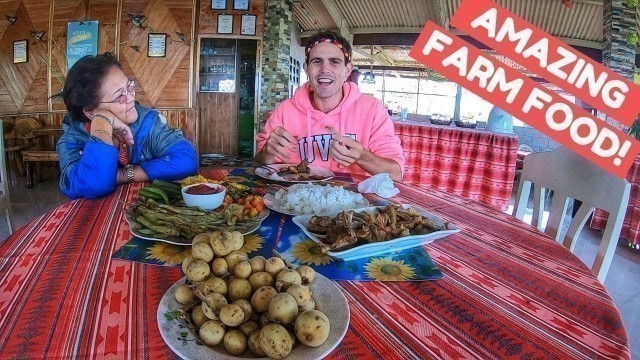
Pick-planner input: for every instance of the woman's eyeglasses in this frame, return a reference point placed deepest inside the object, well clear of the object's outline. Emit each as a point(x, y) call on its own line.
point(122, 99)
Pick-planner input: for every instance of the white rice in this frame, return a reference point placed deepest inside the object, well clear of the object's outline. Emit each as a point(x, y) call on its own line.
point(316, 199)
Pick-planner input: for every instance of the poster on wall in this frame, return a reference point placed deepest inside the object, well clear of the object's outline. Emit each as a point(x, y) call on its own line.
point(225, 24)
point(157, 45)
point(20, 51)
point(248, 25)
point(82, 40)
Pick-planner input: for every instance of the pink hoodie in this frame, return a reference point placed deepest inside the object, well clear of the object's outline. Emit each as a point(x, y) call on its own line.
point(360, 116)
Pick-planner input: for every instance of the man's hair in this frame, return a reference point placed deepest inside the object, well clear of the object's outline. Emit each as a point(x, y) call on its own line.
point(329, 36)
point(84, 80)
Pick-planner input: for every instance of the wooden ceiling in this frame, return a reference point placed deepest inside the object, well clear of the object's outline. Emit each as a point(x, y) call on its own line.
point(383, 31)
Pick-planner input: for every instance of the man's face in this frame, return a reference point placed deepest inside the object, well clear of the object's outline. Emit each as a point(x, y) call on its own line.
point(327, 71)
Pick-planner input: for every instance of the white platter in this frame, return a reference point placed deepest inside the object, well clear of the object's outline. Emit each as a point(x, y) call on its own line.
point(383, 247)
point(329, 299)
point(270, 202)
point(270, 173)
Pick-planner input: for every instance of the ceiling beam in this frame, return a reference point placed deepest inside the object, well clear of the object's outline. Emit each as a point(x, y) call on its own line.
point(375, 57)
point(339, 19)
point(391, 30)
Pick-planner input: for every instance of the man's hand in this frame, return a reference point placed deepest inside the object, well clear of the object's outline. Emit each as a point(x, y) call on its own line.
point(280, 144)
point(344, 150)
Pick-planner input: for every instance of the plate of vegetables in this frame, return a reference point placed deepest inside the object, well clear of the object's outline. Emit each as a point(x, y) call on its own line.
point(159, 213)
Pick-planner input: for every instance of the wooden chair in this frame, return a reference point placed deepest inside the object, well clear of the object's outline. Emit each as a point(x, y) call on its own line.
point(571, 176)
point(5, 200)
point(43, 151)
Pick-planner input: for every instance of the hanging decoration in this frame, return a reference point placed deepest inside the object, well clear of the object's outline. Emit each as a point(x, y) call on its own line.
point(11, 19)
point(138, 20)
point(39, 35)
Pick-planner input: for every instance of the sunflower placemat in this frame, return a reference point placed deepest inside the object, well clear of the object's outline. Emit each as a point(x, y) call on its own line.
point(278, 234)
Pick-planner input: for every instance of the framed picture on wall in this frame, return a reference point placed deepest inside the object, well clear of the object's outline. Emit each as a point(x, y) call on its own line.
point(157, 45)
point(82, 40)
point(20, 51)
point(248, 25)
point(225, 24)
point(218, 4)
point(241, 5)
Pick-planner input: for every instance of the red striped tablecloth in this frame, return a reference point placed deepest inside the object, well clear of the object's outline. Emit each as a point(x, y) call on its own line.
point(475, 164)
point(509, 292)
point(631, 224)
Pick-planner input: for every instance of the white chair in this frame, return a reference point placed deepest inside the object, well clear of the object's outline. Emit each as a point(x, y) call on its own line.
point(5, 201)
point(571, 176)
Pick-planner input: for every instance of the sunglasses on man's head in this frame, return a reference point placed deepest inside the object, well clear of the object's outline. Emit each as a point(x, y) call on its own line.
point(129, 89)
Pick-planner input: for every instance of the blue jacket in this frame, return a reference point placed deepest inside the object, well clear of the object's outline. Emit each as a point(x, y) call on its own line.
point(89, 167)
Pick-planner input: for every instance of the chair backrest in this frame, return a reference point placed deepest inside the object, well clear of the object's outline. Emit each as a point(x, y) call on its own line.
point(571, 176)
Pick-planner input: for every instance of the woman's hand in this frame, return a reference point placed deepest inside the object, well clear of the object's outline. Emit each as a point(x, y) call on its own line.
point(121, 131)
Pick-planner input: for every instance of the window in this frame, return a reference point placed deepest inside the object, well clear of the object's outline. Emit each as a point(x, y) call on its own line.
point(294, 75)
point(398, 89)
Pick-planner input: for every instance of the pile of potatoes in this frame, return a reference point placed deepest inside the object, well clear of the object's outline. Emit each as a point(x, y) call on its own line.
point(256, 304)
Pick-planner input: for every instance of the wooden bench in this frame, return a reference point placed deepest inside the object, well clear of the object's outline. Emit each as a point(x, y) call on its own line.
point(43, 151)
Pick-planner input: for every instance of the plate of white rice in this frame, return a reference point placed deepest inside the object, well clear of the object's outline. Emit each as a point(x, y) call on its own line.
point(309, 199)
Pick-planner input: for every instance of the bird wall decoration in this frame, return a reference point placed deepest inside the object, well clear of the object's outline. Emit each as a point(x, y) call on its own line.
point(182, 36)
point(11, 19)
point(38, 34)
point(135, 48)
point(138, 20)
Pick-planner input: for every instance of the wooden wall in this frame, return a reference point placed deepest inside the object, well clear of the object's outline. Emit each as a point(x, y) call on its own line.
point(165, 83)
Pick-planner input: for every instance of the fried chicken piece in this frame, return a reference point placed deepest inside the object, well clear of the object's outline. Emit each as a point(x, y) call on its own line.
point(320, 224)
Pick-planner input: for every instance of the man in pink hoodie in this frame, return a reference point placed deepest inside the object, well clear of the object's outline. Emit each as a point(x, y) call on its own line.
point(329, 122)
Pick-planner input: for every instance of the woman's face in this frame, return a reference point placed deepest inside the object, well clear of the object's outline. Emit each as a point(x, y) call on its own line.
point(117, 95)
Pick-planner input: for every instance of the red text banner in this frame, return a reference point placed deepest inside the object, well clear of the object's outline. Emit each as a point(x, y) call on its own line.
point(525, 99)
point(550, 58)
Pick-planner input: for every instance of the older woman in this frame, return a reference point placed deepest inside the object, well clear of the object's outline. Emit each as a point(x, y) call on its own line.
point(109, 139)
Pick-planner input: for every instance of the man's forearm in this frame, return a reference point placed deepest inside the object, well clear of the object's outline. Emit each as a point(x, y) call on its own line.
point(374, 164)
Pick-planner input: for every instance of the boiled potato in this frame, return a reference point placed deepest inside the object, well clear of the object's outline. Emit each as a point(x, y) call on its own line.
point(212, 305)
point(214, 284)
point(257, 264)
point(221, 242)
point(200, 238)
point(286, 278)
point(198, 316)
point(237, 240)
point(235, 257)
point(183, 294)
point(261, 279)
point(301, 293)
point(249, 327)
point(231, 315)
point(185, 263)
point(239, 289)
point(246, 307)
point(307, 274)
point(312, 328)
point(274, 265)
point(235, 342)
point(275, 341)
point(261, 298)
point(202, 251)
point(254, 344)
point(219, 266)
point(242, 269)
point(283, 309)
point(310, 305)
point(211, 332)
point(198, 270)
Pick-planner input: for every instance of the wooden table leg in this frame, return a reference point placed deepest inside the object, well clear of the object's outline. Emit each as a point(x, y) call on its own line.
point(29, 174)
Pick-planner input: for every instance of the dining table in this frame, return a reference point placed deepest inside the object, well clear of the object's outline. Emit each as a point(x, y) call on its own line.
point(508, 291)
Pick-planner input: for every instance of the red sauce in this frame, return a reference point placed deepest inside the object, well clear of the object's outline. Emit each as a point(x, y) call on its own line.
point(203, 189)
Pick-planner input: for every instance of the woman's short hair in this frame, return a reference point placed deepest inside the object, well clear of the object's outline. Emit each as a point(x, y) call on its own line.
point(84, 80)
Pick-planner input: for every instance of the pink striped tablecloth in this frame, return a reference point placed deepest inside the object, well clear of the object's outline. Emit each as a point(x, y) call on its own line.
point(631, 224)
point(510, 292)
point(475, 164)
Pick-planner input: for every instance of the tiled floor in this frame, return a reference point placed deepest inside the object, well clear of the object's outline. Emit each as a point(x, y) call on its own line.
point(622, 282)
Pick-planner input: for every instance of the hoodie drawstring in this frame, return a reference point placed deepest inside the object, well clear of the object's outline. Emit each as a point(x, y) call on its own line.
point(309, 138)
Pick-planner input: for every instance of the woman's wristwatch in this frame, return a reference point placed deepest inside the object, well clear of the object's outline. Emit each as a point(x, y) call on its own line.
point(130, 173)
